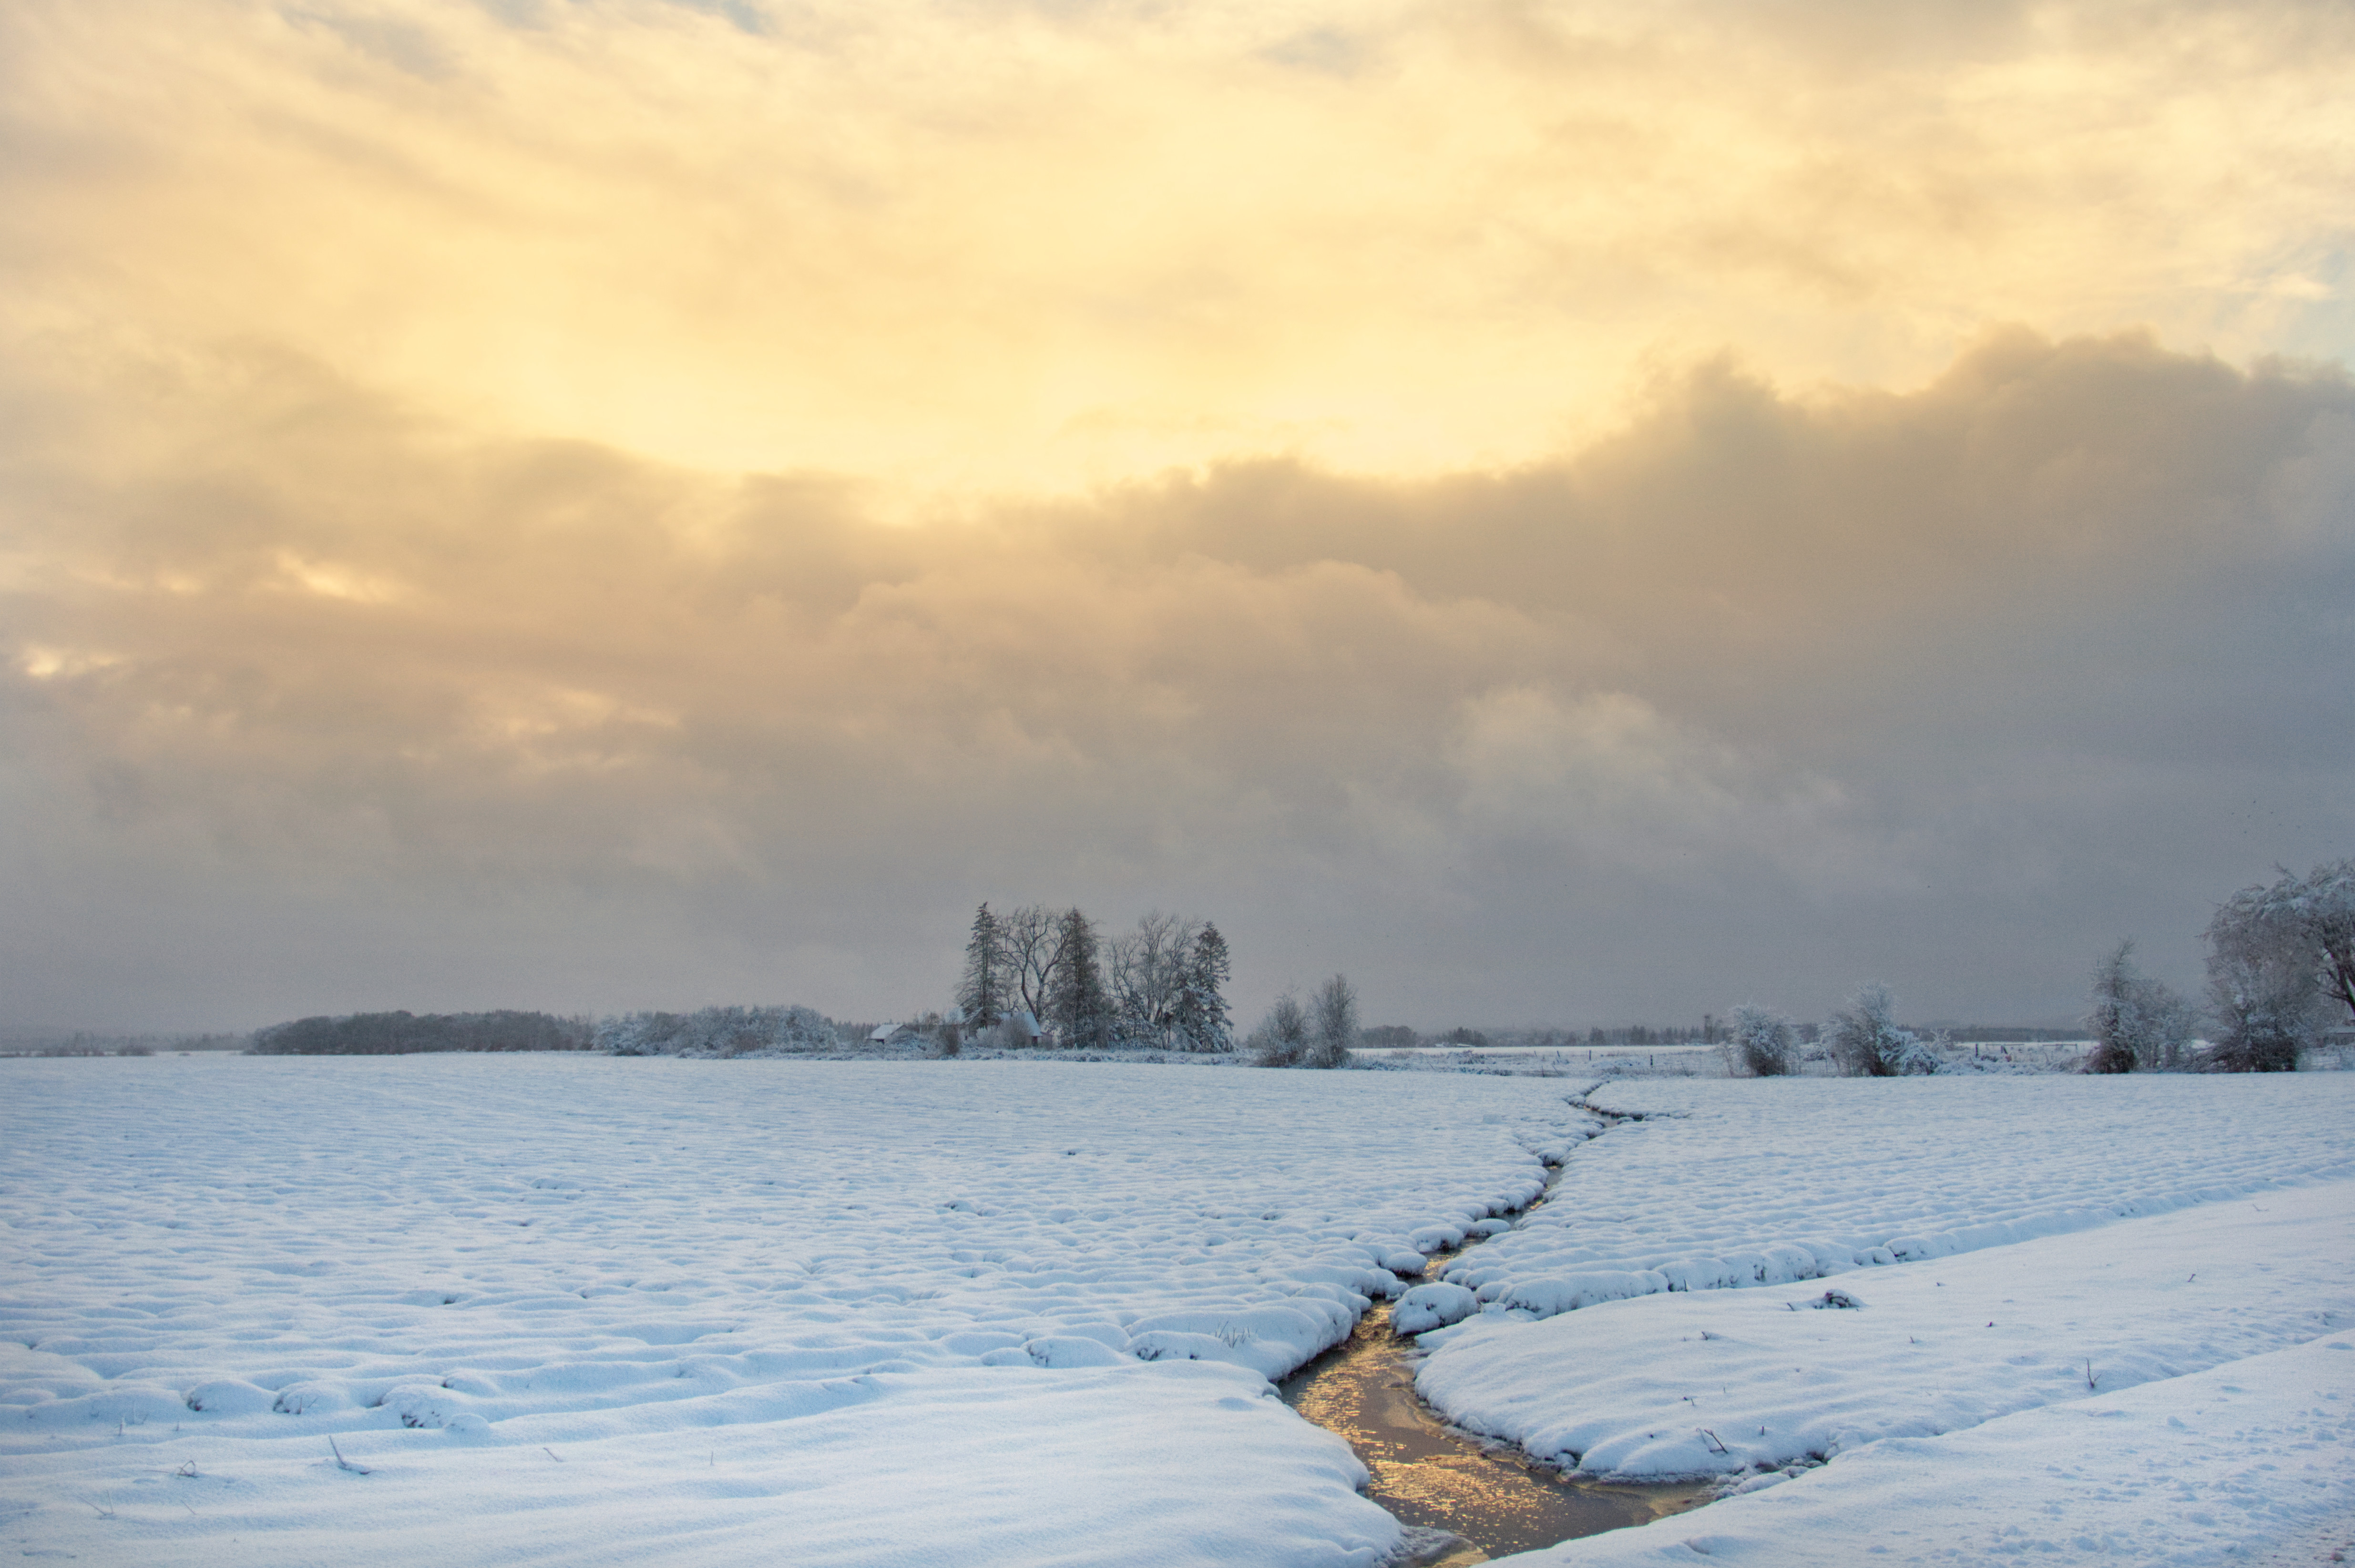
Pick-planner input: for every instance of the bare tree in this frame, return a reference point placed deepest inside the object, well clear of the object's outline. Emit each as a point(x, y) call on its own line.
point(1332, 1023)
point(1031, 938)
point(1150, 968)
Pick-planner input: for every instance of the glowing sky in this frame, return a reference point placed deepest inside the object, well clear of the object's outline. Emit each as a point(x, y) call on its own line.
point(1565, 512)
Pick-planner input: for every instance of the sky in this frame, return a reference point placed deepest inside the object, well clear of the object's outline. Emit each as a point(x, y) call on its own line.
point(1564, 513)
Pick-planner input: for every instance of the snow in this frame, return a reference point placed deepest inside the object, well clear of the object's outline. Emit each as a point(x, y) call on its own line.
point(666, 1312)
point(2069, 1315)
point(581, 1309)
point(1774, 1376)
point(1781, 1180)
point(2214, 1466)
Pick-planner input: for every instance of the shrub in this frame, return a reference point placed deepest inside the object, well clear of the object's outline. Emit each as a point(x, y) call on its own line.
point(1866, 1043)
point(1282, 1038)
point(1760, 1044)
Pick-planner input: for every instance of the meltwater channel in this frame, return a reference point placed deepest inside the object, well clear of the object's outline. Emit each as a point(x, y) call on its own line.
point(1441, 1482)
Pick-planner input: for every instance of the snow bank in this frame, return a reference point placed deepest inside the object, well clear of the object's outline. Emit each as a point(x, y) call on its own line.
point(1017, 1466)
point(581, 1309)
point(2086, 1316)
point(2212, 1467)
point(1773, 1182)
point(1724, 1383)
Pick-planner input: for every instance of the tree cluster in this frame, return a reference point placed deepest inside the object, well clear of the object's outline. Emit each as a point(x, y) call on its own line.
point(1316, 1035)
point(2281, 966)
point(719, 1031)
point(401, 1033)
point(1162, 984)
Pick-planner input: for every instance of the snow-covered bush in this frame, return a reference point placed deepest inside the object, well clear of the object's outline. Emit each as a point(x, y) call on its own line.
point(1762, 1043)
point(1282, 1038)
point(718, 1032)
point(1866, 1043)
point(2136, 1021)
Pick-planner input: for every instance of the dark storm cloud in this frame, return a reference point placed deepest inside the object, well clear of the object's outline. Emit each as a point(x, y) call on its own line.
point(311, 704)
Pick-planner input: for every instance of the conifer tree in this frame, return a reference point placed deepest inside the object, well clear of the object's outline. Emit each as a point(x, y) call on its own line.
point(981, 992)
point(1079, 1007)
point(1202, 1018)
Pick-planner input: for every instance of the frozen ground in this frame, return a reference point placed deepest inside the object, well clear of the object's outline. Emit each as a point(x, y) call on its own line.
point(2125, 1330)
point(573, 1309)
point(576, 1309)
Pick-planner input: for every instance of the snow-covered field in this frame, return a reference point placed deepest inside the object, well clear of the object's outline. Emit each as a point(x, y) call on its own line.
point(575, 1309)
point(2125, 1329)
point(570, 1309)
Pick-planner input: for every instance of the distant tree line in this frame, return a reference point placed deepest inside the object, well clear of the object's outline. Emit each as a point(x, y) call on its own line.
point(719, 1031)
point(2281, 978)
point(401, 1033)
point(1161, 984)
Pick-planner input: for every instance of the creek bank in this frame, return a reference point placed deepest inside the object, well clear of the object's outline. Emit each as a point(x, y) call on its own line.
point(1463, 1499)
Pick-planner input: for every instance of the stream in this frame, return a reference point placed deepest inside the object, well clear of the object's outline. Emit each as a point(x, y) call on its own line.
point(1443, 1483)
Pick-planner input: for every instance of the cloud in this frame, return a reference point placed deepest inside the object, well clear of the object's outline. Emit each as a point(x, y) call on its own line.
point(1021, 248)
point(1610, 778)
point(311, 700)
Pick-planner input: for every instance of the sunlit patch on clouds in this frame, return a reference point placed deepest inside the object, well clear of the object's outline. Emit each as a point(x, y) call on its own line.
point(332, 581)
point(1612, 778)
point(946, 244)
point(627, 503)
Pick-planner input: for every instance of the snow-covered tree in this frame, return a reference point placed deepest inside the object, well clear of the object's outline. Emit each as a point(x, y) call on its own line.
point(2298, 923)
point(982, 990)
point(1202, 1017)
point(1866, 1043)
point(1078, 1006)
point(2265, 1014)
point(1332, 1023)
point(1759, 1043)
point(718, 1032)
point(2136, 1021)
point(1282, 1038)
